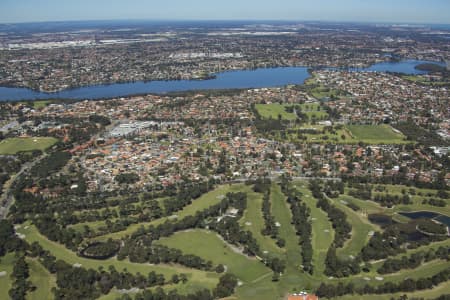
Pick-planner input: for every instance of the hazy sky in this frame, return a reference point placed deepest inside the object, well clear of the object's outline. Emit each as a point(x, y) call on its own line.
point(417, 11)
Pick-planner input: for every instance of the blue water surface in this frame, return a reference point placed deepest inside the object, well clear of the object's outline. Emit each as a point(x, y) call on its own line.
point(267, 77)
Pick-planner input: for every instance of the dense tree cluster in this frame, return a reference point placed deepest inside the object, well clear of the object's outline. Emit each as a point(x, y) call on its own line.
point(361, 191)
point(270, 227)
point(231, 231)
point(20, 274)
point(414, 260)
point(434, 202)
point(8, 240)
point(49, 164)
point(47, 226)
point(389, 200)
point(185, 197)
point(333, 188)
point(160, 294)
point(102, 120)
point(101, 250)
point(337, 267)
point(127, 178)
point(407, 285)
point(156, 254)
point(416, 133)
point(392, 241)
point(226, 286)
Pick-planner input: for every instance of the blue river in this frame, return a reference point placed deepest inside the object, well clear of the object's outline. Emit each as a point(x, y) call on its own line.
point(242, 79)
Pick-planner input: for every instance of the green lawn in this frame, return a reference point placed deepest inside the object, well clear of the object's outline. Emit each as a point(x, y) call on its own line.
point(321, 91)
point(209, 246)
point(322, 230)
point(199, 204)
point(195, 277)
point(253, 221)
point(41, 103)
point(40, 278)
point(376, 134)
point(272, 111)
point(340, 136)
point(14, 145)
point(6, 264)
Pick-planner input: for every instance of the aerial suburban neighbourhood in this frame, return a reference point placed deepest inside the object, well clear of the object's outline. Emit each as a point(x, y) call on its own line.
point(294, 160)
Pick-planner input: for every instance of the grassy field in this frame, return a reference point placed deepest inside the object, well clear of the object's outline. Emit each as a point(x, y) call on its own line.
point(41, 103)
point(376, 134)
point(424, 81)
point(40, 278)
point(196, 277)
point(209, 246)
point(274, 110)
point(253, 221)
point(341, 136)
point(321, 92)
point(199, 204)
point(6, 265)
point(14, 145)
point(322, 230)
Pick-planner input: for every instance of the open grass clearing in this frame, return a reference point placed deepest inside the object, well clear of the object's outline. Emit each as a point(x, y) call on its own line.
point(41, 103)
point(11, 146)
point(274, 111)
point(209, 246)
point(41, 278)
point(253, 221)
point(376, 134)
point(6, 265)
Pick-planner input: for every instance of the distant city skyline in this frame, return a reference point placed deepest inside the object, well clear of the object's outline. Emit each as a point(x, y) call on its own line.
point(387, 11)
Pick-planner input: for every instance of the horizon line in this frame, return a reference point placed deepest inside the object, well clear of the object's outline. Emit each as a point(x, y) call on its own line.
point(230, 20)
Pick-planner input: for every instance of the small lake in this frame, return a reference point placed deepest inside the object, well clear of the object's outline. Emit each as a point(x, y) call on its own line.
point(427, 215)
point(241, 79)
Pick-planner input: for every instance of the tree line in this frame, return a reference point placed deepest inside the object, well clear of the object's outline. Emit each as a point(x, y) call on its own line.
point(262, 185)
point(393, 265)
point(407, 285)
point(301, 221)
